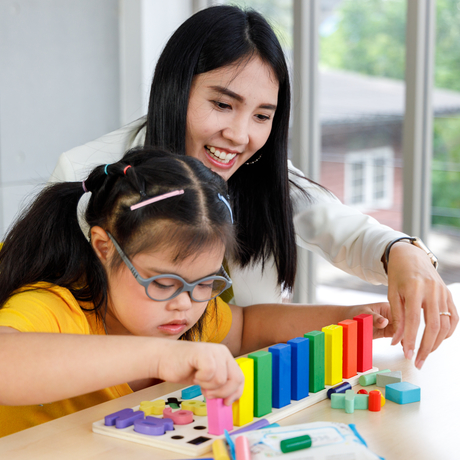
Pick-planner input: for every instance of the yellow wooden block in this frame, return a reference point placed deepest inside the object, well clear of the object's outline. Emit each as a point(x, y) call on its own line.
point(153, 407)
point(219, 450)
point(197, 407)
point(243, 409)
point(333, 354)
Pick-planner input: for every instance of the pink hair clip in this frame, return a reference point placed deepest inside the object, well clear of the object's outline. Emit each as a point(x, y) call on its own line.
point(156, 198)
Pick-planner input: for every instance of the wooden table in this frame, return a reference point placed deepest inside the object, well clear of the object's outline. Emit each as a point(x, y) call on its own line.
point(426, 430)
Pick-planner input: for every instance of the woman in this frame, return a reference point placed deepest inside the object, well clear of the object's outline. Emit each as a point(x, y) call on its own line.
point(221, 93)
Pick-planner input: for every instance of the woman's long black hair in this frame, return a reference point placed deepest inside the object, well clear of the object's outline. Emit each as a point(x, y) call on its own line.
point(212, 38)
point(47, 244)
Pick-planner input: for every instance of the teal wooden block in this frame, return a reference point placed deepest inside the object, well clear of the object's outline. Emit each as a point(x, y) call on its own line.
point(191, 392)
point(402, 393)
point(338, 400)
point(349, 401)
point(362, 402)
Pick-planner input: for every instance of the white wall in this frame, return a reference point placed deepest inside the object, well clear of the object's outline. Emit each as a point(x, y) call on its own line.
point(71, 71)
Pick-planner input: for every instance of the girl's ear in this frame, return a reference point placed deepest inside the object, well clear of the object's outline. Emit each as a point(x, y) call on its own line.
point(101, 243)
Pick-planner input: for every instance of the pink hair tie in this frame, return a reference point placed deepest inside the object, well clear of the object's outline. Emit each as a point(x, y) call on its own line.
point(155, 199)
point(124, 170)
point(84, 187)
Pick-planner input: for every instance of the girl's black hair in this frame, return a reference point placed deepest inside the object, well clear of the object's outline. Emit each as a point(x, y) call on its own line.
point(212, 38)
point(47, 244)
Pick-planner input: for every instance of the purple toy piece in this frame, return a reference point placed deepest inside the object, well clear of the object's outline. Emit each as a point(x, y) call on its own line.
point(110, 419)
point(128, 419)
point(153, 426)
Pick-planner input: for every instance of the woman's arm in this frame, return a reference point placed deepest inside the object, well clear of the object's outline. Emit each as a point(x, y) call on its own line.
point(259, 326)
point(38, 368)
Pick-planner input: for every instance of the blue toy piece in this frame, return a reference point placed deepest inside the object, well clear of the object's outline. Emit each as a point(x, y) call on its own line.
point(300, 367)
point(191, 392)
point(402, 392)
point(281, 371)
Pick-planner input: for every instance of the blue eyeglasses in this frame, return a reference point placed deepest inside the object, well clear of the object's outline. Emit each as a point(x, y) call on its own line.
point(166, 287)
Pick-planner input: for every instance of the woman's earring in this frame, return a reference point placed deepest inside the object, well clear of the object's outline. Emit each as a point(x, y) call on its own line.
point(255, 161)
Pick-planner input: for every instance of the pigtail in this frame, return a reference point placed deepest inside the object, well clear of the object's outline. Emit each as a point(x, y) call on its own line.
point(46, 244)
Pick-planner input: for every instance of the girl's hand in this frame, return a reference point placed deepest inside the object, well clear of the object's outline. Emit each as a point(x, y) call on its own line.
point(383, 323)
point(413, 285)
point(209, 365)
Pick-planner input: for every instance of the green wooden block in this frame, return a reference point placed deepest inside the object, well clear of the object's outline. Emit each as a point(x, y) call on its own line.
point(362, 402)
point(262, 382)
point(371, 378)
point(349, 401)
point(338, 400)
point(316, 360)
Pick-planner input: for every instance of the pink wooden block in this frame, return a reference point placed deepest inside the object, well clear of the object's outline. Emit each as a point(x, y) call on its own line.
point(220, 416)
point(180, 417)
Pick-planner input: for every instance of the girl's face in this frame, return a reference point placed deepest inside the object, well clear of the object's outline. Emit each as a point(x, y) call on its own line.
point(230, 115)
point(131, 312)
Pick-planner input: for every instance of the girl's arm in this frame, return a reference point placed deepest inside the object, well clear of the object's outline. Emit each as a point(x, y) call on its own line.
point(259, 326)
point(39, 368)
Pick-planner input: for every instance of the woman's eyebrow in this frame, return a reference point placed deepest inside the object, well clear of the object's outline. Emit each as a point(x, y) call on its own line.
point(237, 97)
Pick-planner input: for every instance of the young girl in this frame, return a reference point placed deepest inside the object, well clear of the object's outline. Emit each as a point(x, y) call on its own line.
point(92, 310)
point(221, 94)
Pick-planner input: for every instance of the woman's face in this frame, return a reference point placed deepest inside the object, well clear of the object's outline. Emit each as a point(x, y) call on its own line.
point(230, 115)
point(131, 312)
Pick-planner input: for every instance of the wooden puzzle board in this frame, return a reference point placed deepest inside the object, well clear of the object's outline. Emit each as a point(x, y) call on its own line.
point(193, 439)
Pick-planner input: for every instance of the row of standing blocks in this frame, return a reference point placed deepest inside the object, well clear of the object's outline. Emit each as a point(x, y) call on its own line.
point(287, 371)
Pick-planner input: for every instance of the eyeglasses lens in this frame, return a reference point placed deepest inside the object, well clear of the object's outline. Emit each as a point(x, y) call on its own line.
point(164, 288)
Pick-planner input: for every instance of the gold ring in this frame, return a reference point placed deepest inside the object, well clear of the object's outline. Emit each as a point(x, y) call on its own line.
point(445, 313)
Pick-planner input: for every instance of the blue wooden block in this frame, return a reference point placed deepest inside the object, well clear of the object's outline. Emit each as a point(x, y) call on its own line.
point(191, 392)
point(300, 367)
point(281, 372)
point(402, 392)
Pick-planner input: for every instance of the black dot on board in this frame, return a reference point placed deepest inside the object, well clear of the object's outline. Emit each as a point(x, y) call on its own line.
point(177, 437)
point(199, 427)
point(199, 440)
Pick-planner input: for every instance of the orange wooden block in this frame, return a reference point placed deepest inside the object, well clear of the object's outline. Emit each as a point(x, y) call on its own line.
point(350, 350)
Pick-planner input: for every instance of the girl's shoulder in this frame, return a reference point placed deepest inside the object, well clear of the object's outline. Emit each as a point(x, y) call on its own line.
point(44, 307)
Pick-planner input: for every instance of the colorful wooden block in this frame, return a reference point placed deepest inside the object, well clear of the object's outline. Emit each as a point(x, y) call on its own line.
point(191, 392)
point(350, 347)
point(128, 419)
point(300, 367)
point(333, 346)
point(219, 450)
point(110, 420)
point(197, 407)
point(179, 417)
point(342, 388)
point(281, 375)
point(262, 382)
point(360, 401)
point(375, 401)
point(153, 426)
point(349, 401)
point(371, 378)
point(387, 378)
point(402, 392)
point(243, 409)
point(365, 336)
point(220, 416)
point(242, 449)
point(316, 339)
point(153, 407)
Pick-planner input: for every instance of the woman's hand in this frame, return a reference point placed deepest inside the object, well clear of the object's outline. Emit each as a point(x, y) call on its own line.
point(413, 285)
point(209, 365)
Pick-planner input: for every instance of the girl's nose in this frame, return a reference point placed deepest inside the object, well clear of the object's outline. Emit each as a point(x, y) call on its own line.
point(182, 302)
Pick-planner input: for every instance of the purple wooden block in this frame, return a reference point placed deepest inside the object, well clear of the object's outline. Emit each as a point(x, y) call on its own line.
point(128, 419)
point(110, 419)
point(153, 426)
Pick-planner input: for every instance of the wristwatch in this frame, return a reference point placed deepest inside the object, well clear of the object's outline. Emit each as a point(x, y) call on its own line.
point(416, 241)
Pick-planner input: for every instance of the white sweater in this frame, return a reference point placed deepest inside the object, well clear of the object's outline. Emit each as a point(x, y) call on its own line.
point(342, 235)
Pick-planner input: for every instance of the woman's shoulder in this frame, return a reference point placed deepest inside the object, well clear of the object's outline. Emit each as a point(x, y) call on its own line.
point(77, 163)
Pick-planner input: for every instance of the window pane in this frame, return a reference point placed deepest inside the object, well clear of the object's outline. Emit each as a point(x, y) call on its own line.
point(362, 65)
point(445, 212)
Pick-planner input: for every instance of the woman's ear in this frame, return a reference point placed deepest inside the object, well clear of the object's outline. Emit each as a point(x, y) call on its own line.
point(101, 243)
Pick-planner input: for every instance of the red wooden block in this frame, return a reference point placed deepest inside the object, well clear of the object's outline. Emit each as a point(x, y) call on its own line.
point(350, 350)
point(365, 334)
point(375, 401)
point(363, 392)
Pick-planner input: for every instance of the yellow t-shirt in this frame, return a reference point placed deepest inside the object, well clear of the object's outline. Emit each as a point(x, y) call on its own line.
point(44, 307)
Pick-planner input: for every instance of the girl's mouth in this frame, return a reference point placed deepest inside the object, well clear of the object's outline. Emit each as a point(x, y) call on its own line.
point(173, 328)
